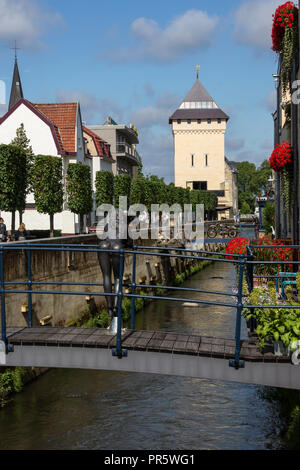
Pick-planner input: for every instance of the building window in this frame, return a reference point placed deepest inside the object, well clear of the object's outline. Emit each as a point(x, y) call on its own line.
point(189, 121)
point(199, 121)
point(206, 159)
point(178, 121)
point(219, 121)
point(208, 121)
point(192, 160)
point(202, 185)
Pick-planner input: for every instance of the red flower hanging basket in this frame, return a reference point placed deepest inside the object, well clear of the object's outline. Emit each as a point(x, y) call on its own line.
point(281, 156)
point(285, 17)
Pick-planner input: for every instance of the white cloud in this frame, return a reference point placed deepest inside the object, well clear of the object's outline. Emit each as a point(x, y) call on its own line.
point(253, 23)
point(193, 30)
point(25, 21)
point(156, 114)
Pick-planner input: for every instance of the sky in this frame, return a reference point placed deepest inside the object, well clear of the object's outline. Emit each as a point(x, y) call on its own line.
point(135, 61)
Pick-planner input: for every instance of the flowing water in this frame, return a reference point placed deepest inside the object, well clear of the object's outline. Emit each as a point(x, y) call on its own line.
point(81, 409)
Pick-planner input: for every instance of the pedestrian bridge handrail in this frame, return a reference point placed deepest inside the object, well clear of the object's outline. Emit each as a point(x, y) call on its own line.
point(244, 263)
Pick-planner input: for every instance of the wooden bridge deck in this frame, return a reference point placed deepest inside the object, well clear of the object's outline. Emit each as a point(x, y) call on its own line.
point(141, 340)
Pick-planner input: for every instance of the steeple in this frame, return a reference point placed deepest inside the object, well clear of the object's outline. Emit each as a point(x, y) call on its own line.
point(16, 92)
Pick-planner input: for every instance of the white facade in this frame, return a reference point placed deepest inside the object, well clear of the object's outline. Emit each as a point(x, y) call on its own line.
point(43, 142)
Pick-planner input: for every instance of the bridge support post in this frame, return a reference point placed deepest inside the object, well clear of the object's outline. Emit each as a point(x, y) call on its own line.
point(133, 286)
point(236, 363)
point(118, 351)
point(29, 286)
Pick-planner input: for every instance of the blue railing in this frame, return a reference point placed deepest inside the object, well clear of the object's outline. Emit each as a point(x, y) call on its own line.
point(245, 264)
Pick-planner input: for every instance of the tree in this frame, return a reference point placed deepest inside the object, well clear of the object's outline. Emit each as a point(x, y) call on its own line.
point(22, 141)
point(121, 188)
point(47, 186)
point(137, 190)
point(104, 184)
point(79, 190)
point(269, 217)
point(13, 171)
point(245, 209)
point(251, 181)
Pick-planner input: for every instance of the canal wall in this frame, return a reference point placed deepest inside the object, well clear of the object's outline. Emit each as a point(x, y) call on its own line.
point(69, 266)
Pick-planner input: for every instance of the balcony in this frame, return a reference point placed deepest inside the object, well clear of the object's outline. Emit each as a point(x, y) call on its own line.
point(126, 150)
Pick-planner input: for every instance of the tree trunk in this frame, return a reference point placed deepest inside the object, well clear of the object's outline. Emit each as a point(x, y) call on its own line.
point(51, 225)
point(80, 223)
point(20, 217)
point(13, 221)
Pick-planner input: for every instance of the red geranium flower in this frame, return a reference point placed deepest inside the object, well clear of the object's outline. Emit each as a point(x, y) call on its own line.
point(281, 155)
point(285, 17)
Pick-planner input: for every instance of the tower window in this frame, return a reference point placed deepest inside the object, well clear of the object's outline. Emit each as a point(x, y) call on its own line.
point(202, 185)
point(208, 121)
point(206, 159)
point(192, 160)
point(219, 121)
point(199, 121)
point(189, 121)
point(178, 121)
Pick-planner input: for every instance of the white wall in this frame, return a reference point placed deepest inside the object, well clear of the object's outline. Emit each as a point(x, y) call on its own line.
point(39, 133)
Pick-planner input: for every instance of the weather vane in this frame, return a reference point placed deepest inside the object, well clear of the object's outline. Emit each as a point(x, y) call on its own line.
point(197, 68)
point(15, 48)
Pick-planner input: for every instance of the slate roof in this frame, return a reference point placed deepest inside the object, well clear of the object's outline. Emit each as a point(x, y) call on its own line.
point(16, 92)
point(198, 104)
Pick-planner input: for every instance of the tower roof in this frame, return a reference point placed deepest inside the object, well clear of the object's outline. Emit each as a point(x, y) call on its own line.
point(198, 93)
point(198, 104)
point(16, 92)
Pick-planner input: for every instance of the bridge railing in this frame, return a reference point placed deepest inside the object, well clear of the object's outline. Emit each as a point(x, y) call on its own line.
point(244, 264)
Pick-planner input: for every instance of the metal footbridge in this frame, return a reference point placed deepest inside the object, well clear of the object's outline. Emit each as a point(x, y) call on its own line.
point(161, 352)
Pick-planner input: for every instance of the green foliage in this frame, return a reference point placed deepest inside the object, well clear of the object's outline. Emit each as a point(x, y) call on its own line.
point(269, 217)
point(12, 178)
point(79, 188)
point(104, 184)
point(22, 141)
point(277, 324)
point(289, 50)
point(11, 380)
point(137, 190)
point(245, 209)
point(122, 185)
point(251, 181)
point(47, 184)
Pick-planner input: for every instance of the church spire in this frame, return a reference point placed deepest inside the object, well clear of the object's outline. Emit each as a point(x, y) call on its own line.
point(16, 92)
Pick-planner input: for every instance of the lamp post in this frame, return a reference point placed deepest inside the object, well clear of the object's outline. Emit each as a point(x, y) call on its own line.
point(276, 78)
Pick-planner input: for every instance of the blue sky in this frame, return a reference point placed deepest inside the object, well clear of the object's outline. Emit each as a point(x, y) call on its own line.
point(135, 61)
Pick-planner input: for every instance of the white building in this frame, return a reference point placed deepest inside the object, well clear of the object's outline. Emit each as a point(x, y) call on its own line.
point(53, 129)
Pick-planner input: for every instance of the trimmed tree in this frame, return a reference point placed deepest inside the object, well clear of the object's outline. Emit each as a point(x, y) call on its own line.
point(47, 186)
point(104, 183)
point(122, 185)
point(13, 172)
point(79, 190)
point(137, 190)
point(22, 141)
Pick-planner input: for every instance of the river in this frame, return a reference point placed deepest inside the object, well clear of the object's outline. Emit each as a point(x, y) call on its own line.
point(81, 409)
